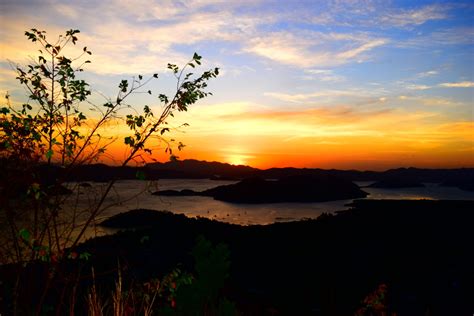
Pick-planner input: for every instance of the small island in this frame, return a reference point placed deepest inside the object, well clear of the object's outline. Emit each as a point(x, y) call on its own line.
point(300, 188)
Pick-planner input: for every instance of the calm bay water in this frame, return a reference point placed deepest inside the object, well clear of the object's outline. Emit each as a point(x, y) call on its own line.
point(131, 194)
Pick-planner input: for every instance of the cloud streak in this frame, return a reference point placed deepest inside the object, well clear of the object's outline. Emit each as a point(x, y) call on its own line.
point(313, 49)
point(413, 17)
point(463, 84)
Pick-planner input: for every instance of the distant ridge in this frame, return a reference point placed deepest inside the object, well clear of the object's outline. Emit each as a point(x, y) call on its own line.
point(204, 169)
point(196, 169)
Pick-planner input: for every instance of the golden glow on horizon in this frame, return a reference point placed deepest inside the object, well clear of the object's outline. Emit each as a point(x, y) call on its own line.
point(236, 155)
point(319, 138)
point(237, 159)
point(337, 137)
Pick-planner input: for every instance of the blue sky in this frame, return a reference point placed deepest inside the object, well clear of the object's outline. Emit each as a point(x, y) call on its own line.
point(399, 70)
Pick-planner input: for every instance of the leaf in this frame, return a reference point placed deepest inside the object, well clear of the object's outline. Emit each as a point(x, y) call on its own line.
point(81, 116)
point(144, 238)
point(85, 255)
point(49, 154)
point(163, 98)
point(123, 86)
point(25, 234)
point(140, 175)
point(129, 141)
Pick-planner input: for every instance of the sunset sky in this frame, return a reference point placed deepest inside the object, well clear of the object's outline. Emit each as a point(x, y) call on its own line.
point(321, 84)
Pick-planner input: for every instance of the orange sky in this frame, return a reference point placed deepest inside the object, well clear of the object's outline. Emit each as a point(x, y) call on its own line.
point(319, 139)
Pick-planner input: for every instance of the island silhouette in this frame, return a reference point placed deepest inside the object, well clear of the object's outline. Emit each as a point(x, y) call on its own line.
point(195, 169)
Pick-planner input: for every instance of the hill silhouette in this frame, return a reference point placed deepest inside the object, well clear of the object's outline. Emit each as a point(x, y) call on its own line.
point(195, 169)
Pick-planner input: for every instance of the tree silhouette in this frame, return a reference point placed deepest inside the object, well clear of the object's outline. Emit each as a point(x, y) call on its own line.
point(43, 140)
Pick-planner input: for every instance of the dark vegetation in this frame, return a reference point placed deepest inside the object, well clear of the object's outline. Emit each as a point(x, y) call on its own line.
point(421, 251)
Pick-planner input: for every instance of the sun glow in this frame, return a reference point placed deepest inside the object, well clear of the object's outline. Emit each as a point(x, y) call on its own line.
point(236, 159)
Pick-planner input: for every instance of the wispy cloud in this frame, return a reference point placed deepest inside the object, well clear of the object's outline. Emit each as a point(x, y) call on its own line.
point(148, 33)
point(324, 75)
point(463, 84)
point(460, 35)
point(344, 126)
point(418, 87)
point(430, 101)
point(354, 97)
point(314, 96)
point(425, 74)
point(413, 17)
point(144, 37)
point(313, 49)
point(138, 36)
point(375, 14)
point(6, 74)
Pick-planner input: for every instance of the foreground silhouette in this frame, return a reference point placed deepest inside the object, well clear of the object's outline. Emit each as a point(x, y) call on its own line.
point(421, 250)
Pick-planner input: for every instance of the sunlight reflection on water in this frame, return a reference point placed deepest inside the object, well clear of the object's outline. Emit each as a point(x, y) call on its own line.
point(430, 191)
point(132, 194)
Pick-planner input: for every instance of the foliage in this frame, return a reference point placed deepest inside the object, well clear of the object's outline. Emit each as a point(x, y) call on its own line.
point(177, 293)
point(138, 299)
point(203, 296)
point(43, 140)
point(375, 304)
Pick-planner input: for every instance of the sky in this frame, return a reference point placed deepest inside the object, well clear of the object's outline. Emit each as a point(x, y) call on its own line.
point(346, 84)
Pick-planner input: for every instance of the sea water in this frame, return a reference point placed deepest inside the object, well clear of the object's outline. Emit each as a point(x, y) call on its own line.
point(127, 195)
point(133, 194)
